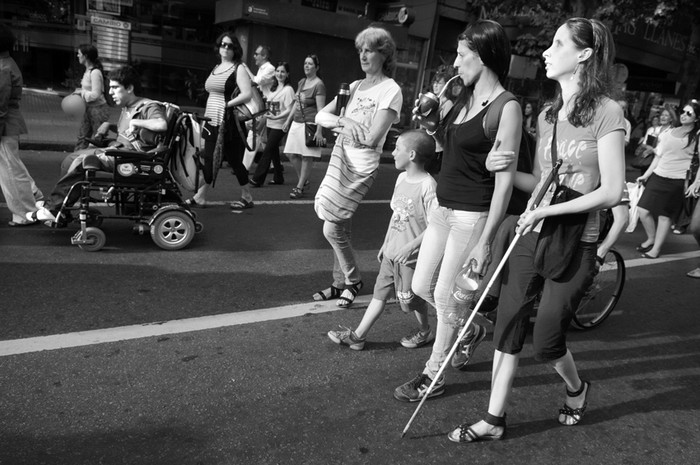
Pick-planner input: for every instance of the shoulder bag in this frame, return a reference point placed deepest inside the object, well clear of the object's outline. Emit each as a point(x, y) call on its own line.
point(560, 234)
point(689, 203)
point(248, 111)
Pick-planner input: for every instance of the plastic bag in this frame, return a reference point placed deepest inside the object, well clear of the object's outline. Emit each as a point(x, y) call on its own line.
point(635, 190)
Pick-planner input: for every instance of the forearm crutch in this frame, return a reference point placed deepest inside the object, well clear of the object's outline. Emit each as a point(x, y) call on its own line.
point(535, 204)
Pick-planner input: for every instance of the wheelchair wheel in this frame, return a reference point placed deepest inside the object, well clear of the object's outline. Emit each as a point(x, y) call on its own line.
point(95, 239)
point(172, 230)
point(602, 296)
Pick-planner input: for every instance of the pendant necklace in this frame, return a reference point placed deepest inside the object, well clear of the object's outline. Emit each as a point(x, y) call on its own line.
point(485, 102)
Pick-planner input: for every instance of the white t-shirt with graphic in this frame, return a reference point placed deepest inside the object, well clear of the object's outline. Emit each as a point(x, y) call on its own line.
point(411, 204)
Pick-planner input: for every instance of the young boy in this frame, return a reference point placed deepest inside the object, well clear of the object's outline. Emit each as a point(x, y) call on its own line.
point(411, 202)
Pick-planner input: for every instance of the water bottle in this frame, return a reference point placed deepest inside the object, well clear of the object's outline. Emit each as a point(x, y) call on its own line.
point(464, 289)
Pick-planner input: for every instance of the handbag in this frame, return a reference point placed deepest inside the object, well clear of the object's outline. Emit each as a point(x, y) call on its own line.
point(560, 235)
point(643, 156)
point(309, 128)
point(253, 107)
point(246, 112)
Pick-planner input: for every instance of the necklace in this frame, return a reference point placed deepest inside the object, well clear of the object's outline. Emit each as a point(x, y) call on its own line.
point(485, 102)
point(222, 71)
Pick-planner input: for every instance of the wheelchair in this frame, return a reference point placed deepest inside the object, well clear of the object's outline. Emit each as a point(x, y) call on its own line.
point(140, 188)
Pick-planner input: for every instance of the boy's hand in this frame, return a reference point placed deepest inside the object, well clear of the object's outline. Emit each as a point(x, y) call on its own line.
point(404, 254)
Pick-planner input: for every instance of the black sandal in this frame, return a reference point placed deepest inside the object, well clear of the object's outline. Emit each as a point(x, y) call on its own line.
point(348, 296)
point(328, 294)
point(464, 432)
point(575, 413)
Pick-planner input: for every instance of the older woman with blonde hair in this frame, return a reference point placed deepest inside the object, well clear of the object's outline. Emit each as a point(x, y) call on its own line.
point(362, 125)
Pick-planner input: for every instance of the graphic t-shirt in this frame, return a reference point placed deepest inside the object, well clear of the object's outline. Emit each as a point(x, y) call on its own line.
point(411, 204)
point(365, 104)
point(577, 147)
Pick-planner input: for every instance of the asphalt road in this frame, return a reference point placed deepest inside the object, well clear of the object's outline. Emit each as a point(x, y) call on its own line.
point(214, 355)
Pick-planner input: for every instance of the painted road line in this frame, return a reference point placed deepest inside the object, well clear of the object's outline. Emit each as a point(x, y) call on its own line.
point(123, 333)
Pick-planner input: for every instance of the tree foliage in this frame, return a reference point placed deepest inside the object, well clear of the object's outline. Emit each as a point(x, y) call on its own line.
point(538, 22)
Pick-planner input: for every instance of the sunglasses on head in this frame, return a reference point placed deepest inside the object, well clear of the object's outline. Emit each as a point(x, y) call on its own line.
point(226, 45)
point(688, 112)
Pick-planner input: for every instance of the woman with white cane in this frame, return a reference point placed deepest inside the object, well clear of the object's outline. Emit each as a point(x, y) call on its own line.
point(584, 128)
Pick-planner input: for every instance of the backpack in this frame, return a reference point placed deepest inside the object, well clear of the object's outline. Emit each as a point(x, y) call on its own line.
point(105, 88)
point(185, 162)
point(526, 157)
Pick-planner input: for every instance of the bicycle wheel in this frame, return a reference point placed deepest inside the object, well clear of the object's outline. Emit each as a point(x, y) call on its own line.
point(602, 296)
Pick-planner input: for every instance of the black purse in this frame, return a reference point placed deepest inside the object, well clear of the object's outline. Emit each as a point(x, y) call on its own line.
point(560, 235)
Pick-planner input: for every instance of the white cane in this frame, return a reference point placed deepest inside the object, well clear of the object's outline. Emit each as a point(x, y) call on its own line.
point(535, 204)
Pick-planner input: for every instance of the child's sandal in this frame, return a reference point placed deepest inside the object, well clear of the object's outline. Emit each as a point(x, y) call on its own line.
point(348, 296)
point(328, 294)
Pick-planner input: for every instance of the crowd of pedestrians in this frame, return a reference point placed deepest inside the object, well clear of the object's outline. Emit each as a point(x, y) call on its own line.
point(449, 203)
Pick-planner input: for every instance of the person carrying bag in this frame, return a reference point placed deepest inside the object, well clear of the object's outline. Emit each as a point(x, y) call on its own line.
point(560, 235)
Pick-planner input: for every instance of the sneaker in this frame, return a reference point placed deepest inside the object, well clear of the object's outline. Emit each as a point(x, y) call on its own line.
point(348, 337)
point(414, 390)
point(417, 339)
point(467, 346)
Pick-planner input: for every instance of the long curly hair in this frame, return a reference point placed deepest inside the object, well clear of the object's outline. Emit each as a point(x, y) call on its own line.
point(595, 74)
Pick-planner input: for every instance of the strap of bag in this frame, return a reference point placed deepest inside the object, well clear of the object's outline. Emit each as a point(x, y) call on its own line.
point(555, 155)
point(238, 123)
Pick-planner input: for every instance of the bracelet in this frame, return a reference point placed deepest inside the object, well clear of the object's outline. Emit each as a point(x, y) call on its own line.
point(430, 133)
point(337, 123)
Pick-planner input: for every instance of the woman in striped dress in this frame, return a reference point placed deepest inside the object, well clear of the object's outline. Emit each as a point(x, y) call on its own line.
point(221, 84)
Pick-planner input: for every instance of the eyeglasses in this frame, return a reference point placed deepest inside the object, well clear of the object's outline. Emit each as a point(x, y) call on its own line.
point(688, 112)
point(226, 45)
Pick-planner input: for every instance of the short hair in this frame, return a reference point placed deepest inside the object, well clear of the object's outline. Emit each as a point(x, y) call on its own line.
point(316, 61)
point(127, 76)
point(7, 38)
point(237, 49)
point(379, 39)
point(265, 50)
point(421, 143)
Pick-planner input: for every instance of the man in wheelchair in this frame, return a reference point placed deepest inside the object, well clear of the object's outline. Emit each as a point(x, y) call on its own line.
point(141, 123)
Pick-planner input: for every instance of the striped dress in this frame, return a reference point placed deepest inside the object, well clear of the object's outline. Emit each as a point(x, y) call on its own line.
point(216, 85)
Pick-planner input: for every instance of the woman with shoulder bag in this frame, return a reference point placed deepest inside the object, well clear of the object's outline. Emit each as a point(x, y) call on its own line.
point(229, 85)
point(644, 153)
point(584, 128)
point(665, 180)
point(280, 102)
point(310, 96)
point(92, 91)
point(374, 104)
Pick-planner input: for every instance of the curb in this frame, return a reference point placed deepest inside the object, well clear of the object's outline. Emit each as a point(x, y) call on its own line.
point(47, 146)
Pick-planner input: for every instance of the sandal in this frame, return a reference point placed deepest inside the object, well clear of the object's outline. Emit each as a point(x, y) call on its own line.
point(348, 296)
point(242, 204)
point(464, 432)
point(576, 414)
point(296, 193)
point(328, 294)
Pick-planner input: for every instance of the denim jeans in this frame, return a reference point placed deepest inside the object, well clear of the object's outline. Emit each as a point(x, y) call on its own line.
point(339, 236)
point(450, 236)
